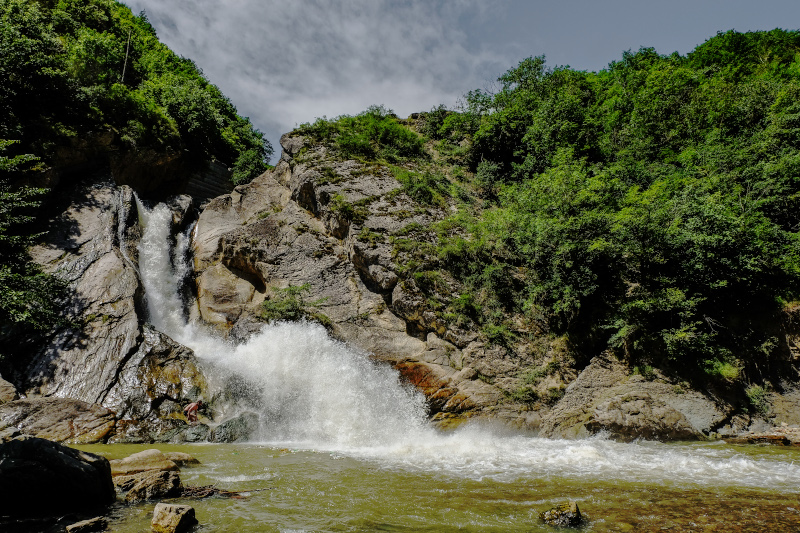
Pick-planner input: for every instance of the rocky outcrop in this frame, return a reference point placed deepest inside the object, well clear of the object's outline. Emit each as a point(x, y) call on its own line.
point(40, 478)
point(151, 387)
point(327, 223)
point(606, 397)
point(58, 420)
point(146, 475)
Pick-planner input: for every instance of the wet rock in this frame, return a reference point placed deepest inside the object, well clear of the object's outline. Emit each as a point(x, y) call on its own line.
point(146, 431)
point(147, 460)
point(39, 477)
point(58, 419)
point(151, 485)
point(186, 433)
point(92, 525)
point(181, 458)
point(563, 515)
point(152, 384)
point(777, 436)
point(238, 429)
point(169, 518)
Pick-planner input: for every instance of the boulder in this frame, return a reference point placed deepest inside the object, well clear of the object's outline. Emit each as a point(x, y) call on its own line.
point(606, 397)
point(40, 477)
point(8, 393)
point(563, 515)
point(169, 518)
point(147, 460)
point(151, 485)
point(236, 429)
point(92, 525)
point(58, 419)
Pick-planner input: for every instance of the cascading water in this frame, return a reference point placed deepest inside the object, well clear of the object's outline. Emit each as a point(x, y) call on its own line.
point(313, 392)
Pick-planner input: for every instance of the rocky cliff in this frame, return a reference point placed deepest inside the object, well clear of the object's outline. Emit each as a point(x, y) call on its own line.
point(345, 230)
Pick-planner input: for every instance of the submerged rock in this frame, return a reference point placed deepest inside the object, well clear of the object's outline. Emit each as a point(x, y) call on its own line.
point(563, 515)
point(181, 458)
point(92, 525)
point(58, 419)
point(41, 478)
point(169, 518)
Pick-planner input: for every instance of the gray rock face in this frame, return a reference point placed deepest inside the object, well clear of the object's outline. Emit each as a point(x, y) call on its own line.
point(39, 477)
point(58, 420)
point(151, 385)
point(92, 245)
point(605, 397)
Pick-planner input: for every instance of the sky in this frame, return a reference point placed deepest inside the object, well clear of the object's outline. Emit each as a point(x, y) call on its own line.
point(286, 62)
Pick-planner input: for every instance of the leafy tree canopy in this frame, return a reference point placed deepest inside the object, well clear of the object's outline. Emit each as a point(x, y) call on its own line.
point(652, 207)
point(74, 67)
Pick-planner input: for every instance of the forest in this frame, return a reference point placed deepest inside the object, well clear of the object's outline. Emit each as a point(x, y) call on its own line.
point(650, 208)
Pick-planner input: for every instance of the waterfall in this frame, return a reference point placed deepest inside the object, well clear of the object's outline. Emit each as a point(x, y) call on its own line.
point(306, 386)
point(314, 392)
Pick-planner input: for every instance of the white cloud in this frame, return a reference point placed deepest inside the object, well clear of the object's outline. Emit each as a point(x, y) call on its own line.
point(287, 62)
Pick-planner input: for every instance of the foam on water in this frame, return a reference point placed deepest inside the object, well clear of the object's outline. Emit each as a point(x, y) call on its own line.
point(316, 393)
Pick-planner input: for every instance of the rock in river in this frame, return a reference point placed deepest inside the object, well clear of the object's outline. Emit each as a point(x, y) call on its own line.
point(42, 478)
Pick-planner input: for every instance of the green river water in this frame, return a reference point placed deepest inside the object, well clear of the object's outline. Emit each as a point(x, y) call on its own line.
point(298, 490)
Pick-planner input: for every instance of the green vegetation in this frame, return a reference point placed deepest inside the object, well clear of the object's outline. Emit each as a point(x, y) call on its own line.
point(375, 134)
point(289, 304)
point(29, 298)
point(71, 69)
point(652, 207)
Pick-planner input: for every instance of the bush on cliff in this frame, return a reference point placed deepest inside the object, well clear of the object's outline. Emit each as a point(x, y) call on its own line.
point(28, 297)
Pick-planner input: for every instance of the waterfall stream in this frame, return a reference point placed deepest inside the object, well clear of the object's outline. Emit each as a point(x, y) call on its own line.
point(315, 393)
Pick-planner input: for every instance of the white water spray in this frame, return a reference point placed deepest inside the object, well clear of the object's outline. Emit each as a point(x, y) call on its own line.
point(314, 392)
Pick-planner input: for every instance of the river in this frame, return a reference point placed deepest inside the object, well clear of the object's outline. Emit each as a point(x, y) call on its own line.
point(343, 445)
